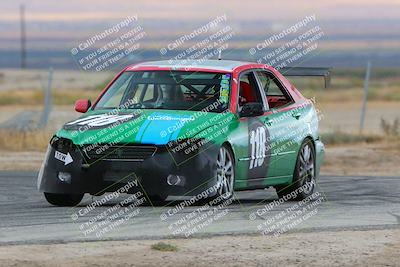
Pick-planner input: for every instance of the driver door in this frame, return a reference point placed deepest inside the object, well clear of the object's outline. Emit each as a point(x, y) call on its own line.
point(255, 161)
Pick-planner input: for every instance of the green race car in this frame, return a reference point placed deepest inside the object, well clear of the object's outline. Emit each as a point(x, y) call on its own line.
point(203, 129)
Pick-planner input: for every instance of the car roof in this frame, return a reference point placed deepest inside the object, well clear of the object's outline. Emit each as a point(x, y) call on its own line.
point(210, 64)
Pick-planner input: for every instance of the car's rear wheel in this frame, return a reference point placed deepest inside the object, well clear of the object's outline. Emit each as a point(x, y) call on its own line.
point(225, 173)
point(304, 174)
point(63, 200)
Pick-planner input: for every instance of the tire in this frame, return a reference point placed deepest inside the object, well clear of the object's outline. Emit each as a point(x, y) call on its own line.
point(304, 174)
point(225, 173)
point(63, 200)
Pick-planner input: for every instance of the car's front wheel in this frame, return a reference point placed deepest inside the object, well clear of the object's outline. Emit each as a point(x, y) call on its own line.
point(304, 174)
point(64, 200)
point(225, 173)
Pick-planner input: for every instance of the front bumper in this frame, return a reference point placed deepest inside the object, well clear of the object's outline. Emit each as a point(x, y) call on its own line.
point(197, 169)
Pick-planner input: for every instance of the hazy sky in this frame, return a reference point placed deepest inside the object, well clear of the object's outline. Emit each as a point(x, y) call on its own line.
point(353, 25)
point(53, 10)
point(68, 21)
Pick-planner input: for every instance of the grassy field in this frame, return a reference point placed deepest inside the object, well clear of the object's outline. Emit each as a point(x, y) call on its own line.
point(346, 86)
point(35, 97)
point(12, 140)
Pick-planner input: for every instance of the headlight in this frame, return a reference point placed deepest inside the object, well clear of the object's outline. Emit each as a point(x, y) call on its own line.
point(62, 144)
point(54, 140)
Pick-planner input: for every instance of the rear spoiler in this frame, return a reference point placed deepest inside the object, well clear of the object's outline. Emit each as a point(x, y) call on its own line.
point(305, 71)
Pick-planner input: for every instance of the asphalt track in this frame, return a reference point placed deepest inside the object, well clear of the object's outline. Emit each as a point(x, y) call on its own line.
point(348, 203)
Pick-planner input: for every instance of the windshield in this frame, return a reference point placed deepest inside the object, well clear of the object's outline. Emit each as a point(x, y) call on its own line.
point(173, 90)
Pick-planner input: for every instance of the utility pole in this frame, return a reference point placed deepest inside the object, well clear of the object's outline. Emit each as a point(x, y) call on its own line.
point(364, 105)
point(23, 36)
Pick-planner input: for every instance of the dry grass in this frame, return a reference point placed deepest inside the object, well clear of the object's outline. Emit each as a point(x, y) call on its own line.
point(339, 138)
point(36, 97)
point(351, 94)
point(13, 140)
point(346, 86)
point(380, 159)
point(21, 97)
point(162, 246)
point(391, 129)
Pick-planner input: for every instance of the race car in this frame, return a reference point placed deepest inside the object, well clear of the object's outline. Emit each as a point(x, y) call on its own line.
point(204, 129)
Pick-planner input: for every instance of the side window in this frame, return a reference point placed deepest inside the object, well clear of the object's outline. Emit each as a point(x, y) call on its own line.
point(149, 94)
point(248, 90)
point(141, 93)
point(275, 93)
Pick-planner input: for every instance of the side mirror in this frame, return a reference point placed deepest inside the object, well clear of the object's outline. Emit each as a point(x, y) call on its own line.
point(251, 110)
point(82, 105)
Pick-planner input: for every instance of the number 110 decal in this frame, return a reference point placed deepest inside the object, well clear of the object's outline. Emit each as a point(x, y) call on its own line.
point(258, 139)
point(258, 152)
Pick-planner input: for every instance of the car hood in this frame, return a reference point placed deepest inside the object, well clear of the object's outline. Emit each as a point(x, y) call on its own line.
point(140, 126)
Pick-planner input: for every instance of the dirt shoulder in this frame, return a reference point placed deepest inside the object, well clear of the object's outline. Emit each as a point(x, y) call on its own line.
point(345, 248)
point(378, 159)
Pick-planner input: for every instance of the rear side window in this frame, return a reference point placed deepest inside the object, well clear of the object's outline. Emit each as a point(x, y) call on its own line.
point(273, 89)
